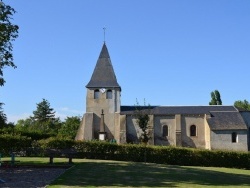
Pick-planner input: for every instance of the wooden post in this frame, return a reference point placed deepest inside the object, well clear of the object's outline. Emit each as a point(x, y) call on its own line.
point(51, 159)
point(70, 159)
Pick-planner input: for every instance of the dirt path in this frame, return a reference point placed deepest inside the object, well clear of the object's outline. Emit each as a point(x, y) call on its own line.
point(28, 176)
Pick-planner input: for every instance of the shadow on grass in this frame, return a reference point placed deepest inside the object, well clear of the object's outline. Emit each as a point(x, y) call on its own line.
point(146, 175)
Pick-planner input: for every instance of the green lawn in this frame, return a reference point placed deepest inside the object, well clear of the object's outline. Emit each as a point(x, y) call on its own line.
point(99, 173)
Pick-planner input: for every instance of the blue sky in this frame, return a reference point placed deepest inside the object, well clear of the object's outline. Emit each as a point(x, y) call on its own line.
point(166, 51)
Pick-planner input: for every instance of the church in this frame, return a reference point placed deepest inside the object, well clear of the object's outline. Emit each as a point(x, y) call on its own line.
point(215, 127)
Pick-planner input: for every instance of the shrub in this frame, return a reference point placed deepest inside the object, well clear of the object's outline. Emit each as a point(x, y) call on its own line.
point(128, 152)
point(56, 143)
point(14, 143)
point(162, 154)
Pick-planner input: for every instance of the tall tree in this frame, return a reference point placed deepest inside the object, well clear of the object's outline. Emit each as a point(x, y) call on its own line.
point(215, 98)
point(43, 111)
point(142, 118)
point(69, 127)
point(8, 33)
point(25, 124)
point(242, 104)
point(3, 118)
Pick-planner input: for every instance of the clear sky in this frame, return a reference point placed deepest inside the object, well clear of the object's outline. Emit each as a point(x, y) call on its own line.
point(170, 52)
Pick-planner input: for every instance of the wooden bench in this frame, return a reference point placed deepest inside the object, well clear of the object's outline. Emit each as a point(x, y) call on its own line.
point(68, 153)
point(9, 163)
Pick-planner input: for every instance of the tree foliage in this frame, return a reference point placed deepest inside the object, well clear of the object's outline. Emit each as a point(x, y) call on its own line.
point(242, 104)
point(215, 98)
point(8, 33)
point(3, 118)
point(69, 127)
point(43, 111)
point(142, 118)
point(44, 122)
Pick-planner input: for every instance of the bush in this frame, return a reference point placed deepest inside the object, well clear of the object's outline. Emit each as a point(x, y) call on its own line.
point(95, 149)
point(14, 143)
point(55, 143)
point(128, 152)
point(162, 154)
point(35, 135)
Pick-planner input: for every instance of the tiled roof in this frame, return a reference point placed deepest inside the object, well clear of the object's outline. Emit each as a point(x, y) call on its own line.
point(159, 110)
point(222, 117)
point(103, 75)
point(226, 120)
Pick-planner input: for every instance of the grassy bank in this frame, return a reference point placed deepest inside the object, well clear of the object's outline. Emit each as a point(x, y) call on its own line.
point(97, 173)
point(101, 173)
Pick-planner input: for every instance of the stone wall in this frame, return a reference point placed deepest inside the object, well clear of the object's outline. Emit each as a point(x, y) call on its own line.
point(222, 140)
point(133, 131)
point(246, 117)
point(197, 141)
point(109, 106)
point(159, 122)
point(85, 131)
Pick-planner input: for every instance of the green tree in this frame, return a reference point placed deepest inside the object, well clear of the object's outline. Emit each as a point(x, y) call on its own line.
point(215, 98)
point(26, 125)
point(142, 118)
point(242, 104)
point(8, 33)
point(3, 117)
point(69, 127)
point(44, 118)
point(43, 111)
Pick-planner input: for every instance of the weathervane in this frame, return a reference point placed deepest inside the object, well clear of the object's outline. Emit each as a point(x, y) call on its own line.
point(104, 32)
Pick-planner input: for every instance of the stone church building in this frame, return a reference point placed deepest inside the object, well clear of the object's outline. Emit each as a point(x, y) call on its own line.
point(207, 127)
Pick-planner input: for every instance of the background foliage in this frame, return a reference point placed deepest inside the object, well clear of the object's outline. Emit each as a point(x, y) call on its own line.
point(8, 33)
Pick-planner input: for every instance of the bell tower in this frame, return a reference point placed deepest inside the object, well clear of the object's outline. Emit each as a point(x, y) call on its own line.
point(103, 97)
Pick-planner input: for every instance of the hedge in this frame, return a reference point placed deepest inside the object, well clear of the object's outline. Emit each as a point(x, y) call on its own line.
point(163, 154)
point(129, 152)
point(16, 143)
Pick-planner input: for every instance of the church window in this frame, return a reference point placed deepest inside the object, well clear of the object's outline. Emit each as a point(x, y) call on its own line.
point(234, 137)
point(193, 131)
point(109, 94)
point(165, 130)
point(96, 94)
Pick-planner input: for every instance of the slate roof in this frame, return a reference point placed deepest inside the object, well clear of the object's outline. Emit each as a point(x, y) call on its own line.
point(226, 120)
point(103, 75)
point(222, 117)
point(170, 110)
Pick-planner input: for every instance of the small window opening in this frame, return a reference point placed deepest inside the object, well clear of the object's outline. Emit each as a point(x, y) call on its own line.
point(234, 137)
point(193, 131)
point(165, 131)
point(96, 94)
point(109, 94)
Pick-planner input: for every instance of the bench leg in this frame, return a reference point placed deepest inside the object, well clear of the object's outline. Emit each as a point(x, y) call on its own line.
point(70, 160)
point(51, 160)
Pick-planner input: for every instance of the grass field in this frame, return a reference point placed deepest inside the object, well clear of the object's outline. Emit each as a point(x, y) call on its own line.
point(99, 173)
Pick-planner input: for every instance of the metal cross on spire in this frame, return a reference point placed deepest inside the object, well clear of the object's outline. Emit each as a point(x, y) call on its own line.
point(104, 33)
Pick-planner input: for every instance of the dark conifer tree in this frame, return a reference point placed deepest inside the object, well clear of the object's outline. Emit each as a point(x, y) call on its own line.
point(215, 98)
point(44, 112)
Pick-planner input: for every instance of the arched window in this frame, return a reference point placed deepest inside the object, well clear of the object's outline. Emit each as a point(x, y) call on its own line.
point(109, 94)
point(234, 137)
point(165, 130)
point(193, 131)
point(96, 94)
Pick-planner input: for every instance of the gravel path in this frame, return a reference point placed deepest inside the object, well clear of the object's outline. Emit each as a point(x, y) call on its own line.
point(28, 176)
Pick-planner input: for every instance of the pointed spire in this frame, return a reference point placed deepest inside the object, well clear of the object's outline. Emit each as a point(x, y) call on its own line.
point(103, 75)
